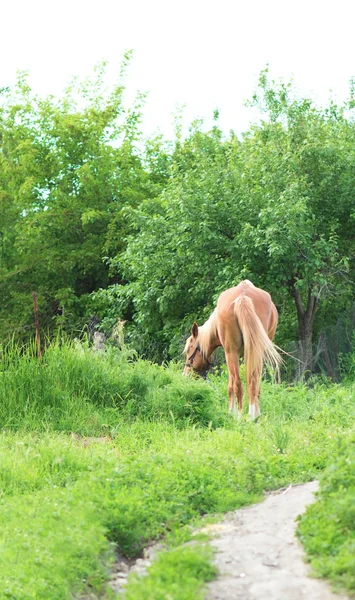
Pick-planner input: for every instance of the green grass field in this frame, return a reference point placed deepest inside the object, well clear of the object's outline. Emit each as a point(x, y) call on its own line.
point(99, 452)
point(327, 530)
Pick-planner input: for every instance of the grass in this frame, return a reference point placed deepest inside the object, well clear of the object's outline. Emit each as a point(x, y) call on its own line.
point(98, 451)
point(179, 573)
point(74, 389)
point(327, 530)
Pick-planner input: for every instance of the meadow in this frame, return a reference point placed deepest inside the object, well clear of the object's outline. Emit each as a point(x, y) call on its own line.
point(102, 229)
point(104, 452)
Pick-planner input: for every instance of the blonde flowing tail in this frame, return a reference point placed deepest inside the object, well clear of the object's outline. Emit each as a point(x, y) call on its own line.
point(258, 348)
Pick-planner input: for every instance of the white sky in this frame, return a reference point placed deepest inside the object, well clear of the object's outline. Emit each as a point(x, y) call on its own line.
point(203, 54)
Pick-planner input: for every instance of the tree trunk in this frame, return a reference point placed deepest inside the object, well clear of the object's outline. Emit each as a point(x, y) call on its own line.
point(305, 318)
point(306, 350)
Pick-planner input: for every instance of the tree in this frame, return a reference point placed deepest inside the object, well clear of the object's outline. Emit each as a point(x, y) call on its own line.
point(276, 207)
point(183, 245)
point(68, 170)
point(298, 167)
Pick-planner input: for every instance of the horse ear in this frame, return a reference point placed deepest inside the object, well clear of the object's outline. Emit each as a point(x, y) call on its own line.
point(194, 330)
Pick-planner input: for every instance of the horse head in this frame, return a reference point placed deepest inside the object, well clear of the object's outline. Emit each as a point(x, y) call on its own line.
point(195, 359)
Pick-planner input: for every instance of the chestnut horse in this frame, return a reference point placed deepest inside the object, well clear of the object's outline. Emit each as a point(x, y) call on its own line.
point(244, 323)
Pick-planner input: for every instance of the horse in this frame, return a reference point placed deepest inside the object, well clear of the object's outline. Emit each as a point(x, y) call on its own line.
point(244, 323)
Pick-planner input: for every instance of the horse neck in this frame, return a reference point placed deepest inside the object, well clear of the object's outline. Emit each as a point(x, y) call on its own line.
point(208, 336)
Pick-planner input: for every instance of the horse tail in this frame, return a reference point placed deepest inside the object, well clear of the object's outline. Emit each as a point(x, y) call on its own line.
point(258, 348)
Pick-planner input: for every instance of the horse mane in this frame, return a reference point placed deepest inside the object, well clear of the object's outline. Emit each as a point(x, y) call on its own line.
point(207, 331)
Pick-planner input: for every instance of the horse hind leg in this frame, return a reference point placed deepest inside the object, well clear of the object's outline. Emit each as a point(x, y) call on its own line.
point(258, 397)
point(235, 391)
point(239, 394)
point(235, 387)
point(231, 396)
point(254, 396)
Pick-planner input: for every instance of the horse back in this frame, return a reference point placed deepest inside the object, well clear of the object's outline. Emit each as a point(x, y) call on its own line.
point(263, 305)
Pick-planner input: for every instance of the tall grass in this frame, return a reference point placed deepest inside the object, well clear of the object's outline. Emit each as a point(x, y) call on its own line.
point(99, 451)
point(75, 389)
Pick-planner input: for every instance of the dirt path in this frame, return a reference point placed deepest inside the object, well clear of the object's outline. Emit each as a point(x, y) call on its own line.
point(258, 555)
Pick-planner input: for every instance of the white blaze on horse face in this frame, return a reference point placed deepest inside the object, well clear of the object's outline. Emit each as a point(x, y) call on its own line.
point(189, 350)
point(187, 345)
point(195, 362)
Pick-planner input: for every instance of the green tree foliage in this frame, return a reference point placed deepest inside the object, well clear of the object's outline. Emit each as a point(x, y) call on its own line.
point(298, 167)
point(69, 168)
point(184, 240)
point(276, 206)
point(96, 219)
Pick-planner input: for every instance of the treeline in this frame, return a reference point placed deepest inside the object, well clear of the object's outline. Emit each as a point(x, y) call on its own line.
point(104, 224)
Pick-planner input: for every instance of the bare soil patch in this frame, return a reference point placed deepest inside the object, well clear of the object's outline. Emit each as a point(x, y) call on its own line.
point(258, 555)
